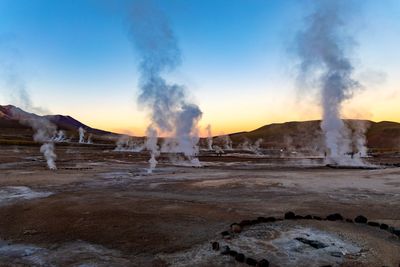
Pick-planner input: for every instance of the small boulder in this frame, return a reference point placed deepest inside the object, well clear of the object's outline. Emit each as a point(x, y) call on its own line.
point(240, 257)
point(225, 250)
point(396, 232)
point(271, 219)
point(384, 226)
point(263, 263)
point(232, 253)
point(215, 245)
point(317, 218)
point(236, 228)
point(374, 224)
point(360, 219)
point(298, 217)
point(245, 223)
point(308, 217)
point(290, 215)
point(251, 262)
point(334, 217)
point(226, 234)
point(262, 219)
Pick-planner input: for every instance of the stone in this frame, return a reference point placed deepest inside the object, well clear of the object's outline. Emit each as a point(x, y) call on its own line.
point(245, 223)
point(236, 228)
point(225, 250)
point(240, 257)
point(317, 218)
point(298, 217)
point(360, 219)
point(215, 245)
point(271, 219)
point(313, 243)
point(384, 226)
point(263, 263)
point(253, 222)
point(289, 215)
point(336, 254)
point(374, 224)
point(396, 232)
point(226, 234)
point(334, 217)
point(232, 253)
point(308, 217)
point(262, 219)
point(251, 262)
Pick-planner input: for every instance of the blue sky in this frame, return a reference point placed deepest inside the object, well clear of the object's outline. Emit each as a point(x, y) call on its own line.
point(76, 59)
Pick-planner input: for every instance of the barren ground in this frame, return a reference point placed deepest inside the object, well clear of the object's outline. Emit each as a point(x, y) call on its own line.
point(100, 208)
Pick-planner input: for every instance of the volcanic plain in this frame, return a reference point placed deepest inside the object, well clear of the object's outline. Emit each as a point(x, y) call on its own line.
point(102, 208)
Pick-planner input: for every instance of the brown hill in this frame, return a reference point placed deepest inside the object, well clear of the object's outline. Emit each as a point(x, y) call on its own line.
point(308, 134)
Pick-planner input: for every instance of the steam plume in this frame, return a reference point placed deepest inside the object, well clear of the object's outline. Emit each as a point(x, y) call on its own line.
point(322, 48)
point(81, 135)
point(43, 129)
point(171, 113)
point(209, 137)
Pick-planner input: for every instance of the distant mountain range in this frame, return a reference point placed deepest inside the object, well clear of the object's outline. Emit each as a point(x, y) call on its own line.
point(290, 135)
point(10, 117)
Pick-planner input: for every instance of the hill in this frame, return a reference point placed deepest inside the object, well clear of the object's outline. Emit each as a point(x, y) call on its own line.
point(308, 134)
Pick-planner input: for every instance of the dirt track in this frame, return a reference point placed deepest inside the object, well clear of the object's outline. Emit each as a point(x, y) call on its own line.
point(104, 209)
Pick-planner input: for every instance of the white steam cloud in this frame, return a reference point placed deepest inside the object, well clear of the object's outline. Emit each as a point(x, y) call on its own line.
point(15, 85)
point(171, 112)
point(322, 48)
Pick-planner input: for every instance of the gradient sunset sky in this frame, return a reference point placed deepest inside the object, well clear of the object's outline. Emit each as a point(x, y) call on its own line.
point(238, 64)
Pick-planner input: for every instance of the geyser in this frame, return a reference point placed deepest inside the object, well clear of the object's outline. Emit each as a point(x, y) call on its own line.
point(171, 113)
point(43, 129)
point(322, 48)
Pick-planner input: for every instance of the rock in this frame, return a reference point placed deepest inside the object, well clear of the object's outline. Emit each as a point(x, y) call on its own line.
point(313, 243)
point(384, 226)
point(225, 250)
point(308, 217)
point(334, 217)
point(396, 232)
point(298, 217)
point(336, 254)
point(262, 219)
point(251, 262)
point(245, 223)
point(374, 224)
point(232, 253)
point(360, 219)
point(349, 220)
point(263, 263)
point(317, 218)
point(289, 215)
point(215, 245)
point(253, 222)
point(239, 257)
point(236, 228)
point(271, 219)
point(226, 234)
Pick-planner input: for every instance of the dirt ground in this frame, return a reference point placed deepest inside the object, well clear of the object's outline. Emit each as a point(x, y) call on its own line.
point(101, 208)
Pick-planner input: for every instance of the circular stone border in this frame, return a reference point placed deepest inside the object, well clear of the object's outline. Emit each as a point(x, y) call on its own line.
point(238, 227)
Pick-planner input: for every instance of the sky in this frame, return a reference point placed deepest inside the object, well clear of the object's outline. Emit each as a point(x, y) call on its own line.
point(75, 58)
